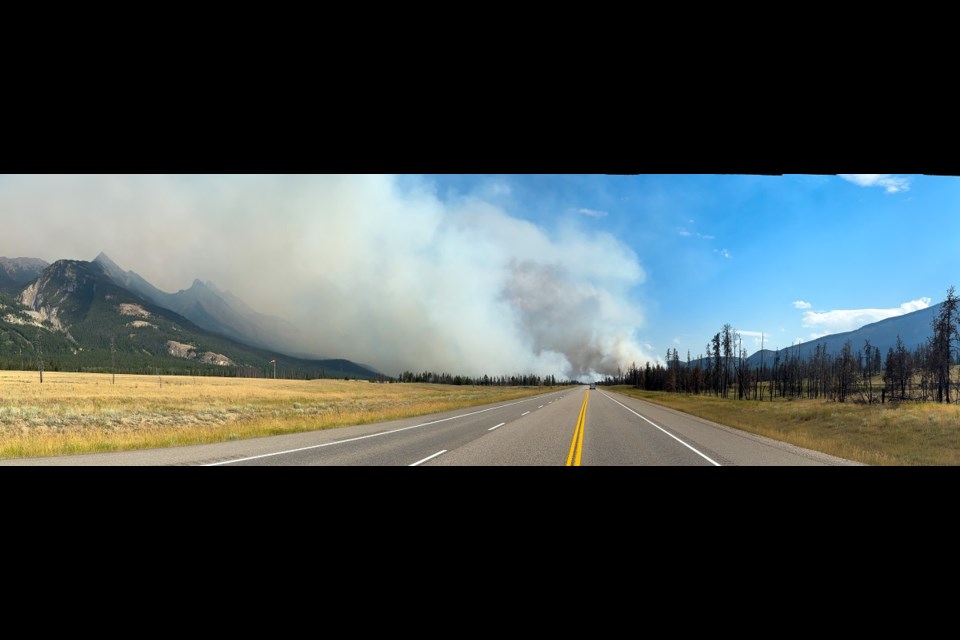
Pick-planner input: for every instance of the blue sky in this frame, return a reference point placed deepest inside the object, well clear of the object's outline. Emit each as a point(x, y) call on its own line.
point(794, 257)
point(571, 275)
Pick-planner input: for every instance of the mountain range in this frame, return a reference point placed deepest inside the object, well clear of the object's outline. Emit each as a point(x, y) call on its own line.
point(90, 314)
point(914, 329)
point(209, 308)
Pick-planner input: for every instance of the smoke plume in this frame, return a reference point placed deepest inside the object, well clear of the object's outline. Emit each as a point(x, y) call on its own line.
point(376, 269)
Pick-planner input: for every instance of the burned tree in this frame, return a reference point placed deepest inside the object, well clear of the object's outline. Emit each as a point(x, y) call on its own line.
point(944, 333)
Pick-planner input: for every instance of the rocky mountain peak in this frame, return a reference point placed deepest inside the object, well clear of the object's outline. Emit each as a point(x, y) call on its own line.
point(104, 259)
point(17, 272)
point(63, 292)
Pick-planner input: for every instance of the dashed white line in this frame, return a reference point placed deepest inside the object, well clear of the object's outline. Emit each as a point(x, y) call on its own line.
point(497, 427)
point(371, 435)
point(524, 413)
point(540, 407)
point(438, 453)
point(713, 462)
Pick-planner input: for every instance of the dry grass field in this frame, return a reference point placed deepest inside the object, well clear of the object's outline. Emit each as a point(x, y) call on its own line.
point(878, 434)
point(84, 413)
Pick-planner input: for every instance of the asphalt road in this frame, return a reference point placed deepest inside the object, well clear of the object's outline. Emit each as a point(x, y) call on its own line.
point(577, 427)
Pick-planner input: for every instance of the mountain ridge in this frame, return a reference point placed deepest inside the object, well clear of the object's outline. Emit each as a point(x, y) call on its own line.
point(17, 272)
point(86, 319)
point(209, 308)
point(914, 328)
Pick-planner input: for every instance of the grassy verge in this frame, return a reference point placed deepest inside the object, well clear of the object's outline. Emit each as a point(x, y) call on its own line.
point(887, 434)
point(73, 413)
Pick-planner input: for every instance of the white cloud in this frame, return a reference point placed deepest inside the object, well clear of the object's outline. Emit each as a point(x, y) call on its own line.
point(840, 320)
point(593, 213)
point(687, 234)
point(757, 338)
point(800, 304)
point(891, 183)
point(723, 252)
point(915, 305)
point(676, 341)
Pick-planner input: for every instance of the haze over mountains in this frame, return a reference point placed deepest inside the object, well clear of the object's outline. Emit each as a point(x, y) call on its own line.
point(95, 311)
point(87, 303)
point(16, 273)
point(396, 271)
point(209, 308)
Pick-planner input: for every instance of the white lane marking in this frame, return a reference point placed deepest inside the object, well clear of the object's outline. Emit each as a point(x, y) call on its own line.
point(540, 407)
point(497, 427)
point(372, 435)
point(438, 453)
point(524, 413)
point(713, 462)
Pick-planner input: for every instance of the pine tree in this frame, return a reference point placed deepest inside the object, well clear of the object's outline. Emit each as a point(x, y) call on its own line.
point(868, 369)
point(727, 354)
point(944, 333)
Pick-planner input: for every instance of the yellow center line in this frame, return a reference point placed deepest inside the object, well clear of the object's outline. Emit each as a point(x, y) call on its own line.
point(576, 446)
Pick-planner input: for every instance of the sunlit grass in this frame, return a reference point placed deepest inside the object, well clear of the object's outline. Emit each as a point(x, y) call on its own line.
point(923, 433)
point(84, 413)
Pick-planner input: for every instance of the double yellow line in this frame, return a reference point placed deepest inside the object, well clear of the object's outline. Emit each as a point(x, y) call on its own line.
point(576, 447)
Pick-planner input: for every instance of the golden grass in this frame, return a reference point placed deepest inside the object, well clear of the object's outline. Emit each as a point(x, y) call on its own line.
point(84, 413)
point(889, 434)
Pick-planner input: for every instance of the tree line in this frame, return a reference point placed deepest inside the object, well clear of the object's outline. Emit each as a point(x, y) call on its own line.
point(519, 380)
point(859, 372)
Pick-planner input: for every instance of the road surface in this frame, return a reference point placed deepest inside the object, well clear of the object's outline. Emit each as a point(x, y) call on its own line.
point(573, 427)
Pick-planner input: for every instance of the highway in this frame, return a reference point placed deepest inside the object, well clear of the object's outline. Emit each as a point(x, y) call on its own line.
point(573, 427)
